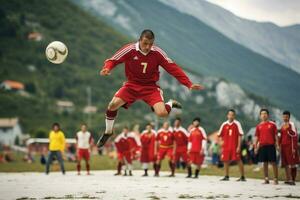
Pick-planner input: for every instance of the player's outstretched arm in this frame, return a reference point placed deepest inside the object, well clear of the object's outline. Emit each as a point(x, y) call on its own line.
point(196, 86)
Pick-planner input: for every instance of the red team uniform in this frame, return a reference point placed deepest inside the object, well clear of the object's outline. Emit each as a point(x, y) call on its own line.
point(266, 134)
point(230, 132)
point(147, 146)
point(125, 145)
point(289, 145)
point(83, 145)
point(166, 140)
point(181, 137)
point(197, 136)
point(142, 72)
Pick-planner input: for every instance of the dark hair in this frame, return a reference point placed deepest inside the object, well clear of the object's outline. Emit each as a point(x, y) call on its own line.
point(286, 112)
point(231, 110)
point(148, 34)
point(178, 118)
point(264, 110)
point(197, 119)
point(55, 124)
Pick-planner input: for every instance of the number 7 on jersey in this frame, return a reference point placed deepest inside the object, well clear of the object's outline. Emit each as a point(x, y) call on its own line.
point(144, 64)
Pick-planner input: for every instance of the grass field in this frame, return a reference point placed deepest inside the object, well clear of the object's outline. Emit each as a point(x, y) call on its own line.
point(107, 163)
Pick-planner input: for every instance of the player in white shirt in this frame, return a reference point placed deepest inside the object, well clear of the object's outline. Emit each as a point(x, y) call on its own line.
point(83, 143)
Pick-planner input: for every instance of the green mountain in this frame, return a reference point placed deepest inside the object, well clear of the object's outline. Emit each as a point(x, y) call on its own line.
point(90, 41)
point(202, 48)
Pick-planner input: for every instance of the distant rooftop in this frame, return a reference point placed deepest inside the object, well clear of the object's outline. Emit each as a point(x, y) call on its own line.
point(8, 122)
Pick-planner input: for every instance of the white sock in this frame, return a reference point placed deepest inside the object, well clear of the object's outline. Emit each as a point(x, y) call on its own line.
point(145, 165)
point(109, 126)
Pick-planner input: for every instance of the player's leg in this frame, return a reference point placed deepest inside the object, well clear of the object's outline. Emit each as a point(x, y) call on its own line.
point(171, 162)
point(275, 171)
point(128, 162)
point(266, 172)
point(226, 170)
point(162, 109)
point(79, 163)
point(293, 173)
point(120, 163)
point(61, 161)
point(242, 172)
point(145, 168)
point(87, 161)
point(49, 161)
point(111, 114)
point(189, 165)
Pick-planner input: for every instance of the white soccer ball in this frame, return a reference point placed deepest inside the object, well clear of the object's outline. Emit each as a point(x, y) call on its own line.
point(56, 52)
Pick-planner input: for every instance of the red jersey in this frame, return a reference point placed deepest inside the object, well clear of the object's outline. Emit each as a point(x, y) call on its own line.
point(181, 137)
point(122, 143)
point(266, 132)
point(148, 140)
point(288, 135)
point(230, 132)
point(143, 68)
point(165, 138)
point(197, 136)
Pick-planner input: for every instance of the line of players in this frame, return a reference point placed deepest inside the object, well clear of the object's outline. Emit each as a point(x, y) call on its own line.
point(176, 143)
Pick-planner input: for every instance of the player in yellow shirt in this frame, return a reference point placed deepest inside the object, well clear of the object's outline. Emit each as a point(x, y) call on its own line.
point(56, 147)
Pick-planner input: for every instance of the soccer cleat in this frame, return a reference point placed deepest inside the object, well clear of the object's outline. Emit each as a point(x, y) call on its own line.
point(117, 174)
point(242, 178)
point(176, 104)
point(130, 173)
point(226, 178)
point(171, 175)
point(266, 181)
point(103, 139)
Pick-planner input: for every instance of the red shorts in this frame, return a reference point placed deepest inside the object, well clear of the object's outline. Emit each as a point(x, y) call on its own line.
point(196, 158)
point(230, 155)
point(147, 156)
point(83, 153)
point(131, 92)
point(125, 156)
point(181, 154)
point(288, 156)
point(163, 152)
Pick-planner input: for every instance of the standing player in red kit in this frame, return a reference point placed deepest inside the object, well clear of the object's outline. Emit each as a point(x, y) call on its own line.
point(165, 144)
point(266, 143)
point(123, 146)
point(289, 148)
point(148, 148)
point(142, 60)
point(231, 134)
point(181, 137)
point(83, 143)
point(197, 140)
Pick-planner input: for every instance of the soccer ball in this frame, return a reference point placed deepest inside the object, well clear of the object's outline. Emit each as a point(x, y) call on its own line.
point(56, 52)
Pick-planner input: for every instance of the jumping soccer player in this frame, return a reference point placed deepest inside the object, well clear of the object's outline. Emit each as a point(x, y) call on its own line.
point(165, 144)
point(83, 142)
point(266, 143)
point(148, 148)
point(231, 133)
point(197, 141)
point(142, 60)
point(289, 148)
point(181, 137)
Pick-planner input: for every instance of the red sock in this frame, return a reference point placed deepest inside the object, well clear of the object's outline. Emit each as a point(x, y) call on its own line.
point(294, 173)
point(78, 167)
point(88, 167)
point(111, 114)
point(168, 108)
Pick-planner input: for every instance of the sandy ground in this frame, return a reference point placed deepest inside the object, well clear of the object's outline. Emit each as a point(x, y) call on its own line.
point(103, 185)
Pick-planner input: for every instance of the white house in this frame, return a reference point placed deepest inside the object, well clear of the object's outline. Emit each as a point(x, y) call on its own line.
point(10, 129)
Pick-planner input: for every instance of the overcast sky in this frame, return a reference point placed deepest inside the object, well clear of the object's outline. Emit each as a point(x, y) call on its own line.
point(280, 12)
